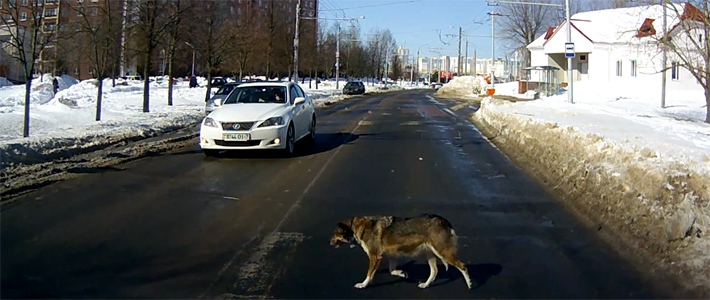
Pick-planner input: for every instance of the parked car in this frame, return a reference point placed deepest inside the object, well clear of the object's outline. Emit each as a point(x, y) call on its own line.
point(260, 115)
point(218, 82)
point(216, 101)
point(354, 88)
point(436, 85)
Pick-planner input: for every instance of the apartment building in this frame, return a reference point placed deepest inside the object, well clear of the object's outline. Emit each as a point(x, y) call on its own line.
point(67, 53)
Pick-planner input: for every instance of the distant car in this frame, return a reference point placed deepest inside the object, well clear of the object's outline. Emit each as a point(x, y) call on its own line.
point(260, 115)
point(436, 85)
point(218, 82)
point(216, 101)
point(354, 88)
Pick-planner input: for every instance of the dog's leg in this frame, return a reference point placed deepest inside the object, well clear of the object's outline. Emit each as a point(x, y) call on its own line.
point(454, 261)
point(393, 268)
point(374, 263)
point(433, 271)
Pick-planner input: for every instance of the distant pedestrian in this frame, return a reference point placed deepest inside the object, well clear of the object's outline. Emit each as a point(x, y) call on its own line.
point(193, 81)
point(55, 84)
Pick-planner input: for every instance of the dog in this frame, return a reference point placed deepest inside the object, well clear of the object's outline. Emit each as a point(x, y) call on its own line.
point(428, 234)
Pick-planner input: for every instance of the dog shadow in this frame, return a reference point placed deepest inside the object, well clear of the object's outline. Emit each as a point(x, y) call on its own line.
point(419, 272)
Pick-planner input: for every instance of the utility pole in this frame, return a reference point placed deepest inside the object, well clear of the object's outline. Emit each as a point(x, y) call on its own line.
point(337, 59)
point(466, 59)
point(295, 42)
point(570, 71)
point(665, 55)
point(458, 58)
point(493, 46)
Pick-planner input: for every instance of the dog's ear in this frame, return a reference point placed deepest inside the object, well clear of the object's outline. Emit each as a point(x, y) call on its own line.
point(344, 227)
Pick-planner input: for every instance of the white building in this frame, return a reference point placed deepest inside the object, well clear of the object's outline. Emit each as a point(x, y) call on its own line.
point(618, 44)
point(403, 54)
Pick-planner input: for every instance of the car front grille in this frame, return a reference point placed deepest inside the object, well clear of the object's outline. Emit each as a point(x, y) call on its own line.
point(229, 126)
point(237, 144)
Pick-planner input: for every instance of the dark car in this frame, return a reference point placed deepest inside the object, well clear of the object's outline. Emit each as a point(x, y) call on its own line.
point(354, 88)
point(221, 94)
point(218, 82)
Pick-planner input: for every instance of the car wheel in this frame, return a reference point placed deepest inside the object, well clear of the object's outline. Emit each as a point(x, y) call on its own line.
point(210, 152)
point(290, 141)
point(312, 131)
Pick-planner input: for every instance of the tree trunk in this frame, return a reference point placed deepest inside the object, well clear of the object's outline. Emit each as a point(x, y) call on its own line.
point(209, 84)
point(146, 83)
point(28, 89)
point(707, 105)
point(171, 57)
point(99, 98)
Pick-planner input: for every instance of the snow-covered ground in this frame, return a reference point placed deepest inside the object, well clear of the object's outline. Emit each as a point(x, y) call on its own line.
point(642, 169)
point(66, 121)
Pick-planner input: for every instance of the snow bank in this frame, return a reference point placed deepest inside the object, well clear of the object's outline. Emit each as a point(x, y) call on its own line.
point(4, 82)
point(463, 86)
point(649, 201)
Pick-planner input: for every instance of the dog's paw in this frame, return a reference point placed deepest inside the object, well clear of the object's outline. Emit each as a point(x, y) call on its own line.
point(361, 285)
point(399, 273)
point(423, 285)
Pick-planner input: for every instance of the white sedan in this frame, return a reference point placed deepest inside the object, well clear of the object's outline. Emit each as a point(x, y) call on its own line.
point(260, 115)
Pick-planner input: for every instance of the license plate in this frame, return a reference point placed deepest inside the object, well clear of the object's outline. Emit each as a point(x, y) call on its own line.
point(239, 137)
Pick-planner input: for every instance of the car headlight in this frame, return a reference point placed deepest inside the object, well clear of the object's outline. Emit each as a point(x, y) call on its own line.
point(210, 122)
point(273, 121)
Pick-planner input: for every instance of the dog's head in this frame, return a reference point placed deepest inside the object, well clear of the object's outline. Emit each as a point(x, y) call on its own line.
point(343, 234)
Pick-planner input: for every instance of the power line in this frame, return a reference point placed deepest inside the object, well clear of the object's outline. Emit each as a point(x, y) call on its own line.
point(377, 5)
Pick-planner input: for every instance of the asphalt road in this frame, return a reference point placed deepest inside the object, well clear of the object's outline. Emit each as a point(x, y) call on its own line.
point(181, 225)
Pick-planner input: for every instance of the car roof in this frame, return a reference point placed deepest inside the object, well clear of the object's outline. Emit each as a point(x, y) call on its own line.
point(266, 83)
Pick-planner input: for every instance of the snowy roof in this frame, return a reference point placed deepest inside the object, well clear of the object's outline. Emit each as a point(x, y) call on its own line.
point(618, 25)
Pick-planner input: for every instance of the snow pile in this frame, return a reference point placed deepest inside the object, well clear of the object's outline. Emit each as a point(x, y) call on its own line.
point(463, 86)
point(617, 160)
point(4, 82)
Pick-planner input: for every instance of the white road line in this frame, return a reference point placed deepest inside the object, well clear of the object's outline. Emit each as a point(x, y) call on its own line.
point(447, 110)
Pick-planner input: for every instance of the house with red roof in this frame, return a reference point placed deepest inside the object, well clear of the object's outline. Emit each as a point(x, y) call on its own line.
point(623, 45)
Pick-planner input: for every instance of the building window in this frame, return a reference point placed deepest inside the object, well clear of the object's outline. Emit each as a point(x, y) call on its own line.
point(94, 11)
point(50, 1)
point(24, 3)
point(76, 70)
point(50, 12)
point(619, 68)
point(634, 68)
point(675, 71)
point(80, 12)
point(23, 16)
point(49, 27)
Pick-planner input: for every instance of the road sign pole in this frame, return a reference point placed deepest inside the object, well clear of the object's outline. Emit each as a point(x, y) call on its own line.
point(570, 80)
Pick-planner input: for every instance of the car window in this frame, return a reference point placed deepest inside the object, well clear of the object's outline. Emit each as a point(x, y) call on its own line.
point(294, 94)
point(257, 94)
point(225, 89)
point(300, 91)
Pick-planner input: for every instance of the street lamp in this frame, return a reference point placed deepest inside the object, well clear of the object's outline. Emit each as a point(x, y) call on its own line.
point(337, 47)
point(193, 57)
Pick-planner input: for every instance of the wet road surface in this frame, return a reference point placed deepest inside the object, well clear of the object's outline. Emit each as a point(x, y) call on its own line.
point(181, 225)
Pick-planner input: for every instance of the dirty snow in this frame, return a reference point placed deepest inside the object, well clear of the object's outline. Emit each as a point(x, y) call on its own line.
point(626, 135)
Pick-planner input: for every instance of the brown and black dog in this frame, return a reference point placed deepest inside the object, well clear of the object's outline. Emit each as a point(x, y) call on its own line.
point(428, 234)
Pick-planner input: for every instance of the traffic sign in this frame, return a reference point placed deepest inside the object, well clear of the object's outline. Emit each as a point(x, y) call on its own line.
point(569, 50)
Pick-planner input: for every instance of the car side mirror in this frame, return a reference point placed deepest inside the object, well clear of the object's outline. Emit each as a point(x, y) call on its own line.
point(299, 100)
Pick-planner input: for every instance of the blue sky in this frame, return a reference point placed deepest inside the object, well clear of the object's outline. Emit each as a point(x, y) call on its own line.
point(415, 23)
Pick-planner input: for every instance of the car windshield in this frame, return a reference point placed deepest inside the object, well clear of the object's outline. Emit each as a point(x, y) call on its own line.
point(351, 84)
point(225, 89)
point(257, 94)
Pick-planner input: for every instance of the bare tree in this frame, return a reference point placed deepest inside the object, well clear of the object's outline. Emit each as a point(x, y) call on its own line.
point(99, 25)
point(150, 23)
point(396, 67)
point(29, 37)
point(687, 44)
point(177, 12)
point(212, 36)
point(521, 24)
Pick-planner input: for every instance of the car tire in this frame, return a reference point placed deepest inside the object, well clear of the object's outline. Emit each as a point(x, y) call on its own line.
point(290, 148)
point(210, 152)
point(311, 138)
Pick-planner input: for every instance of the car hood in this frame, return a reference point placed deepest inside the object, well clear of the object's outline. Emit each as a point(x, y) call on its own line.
point(217, 99)
point(248, 112)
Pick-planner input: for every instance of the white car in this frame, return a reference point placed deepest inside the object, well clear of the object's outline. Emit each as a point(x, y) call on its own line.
point(260, 115)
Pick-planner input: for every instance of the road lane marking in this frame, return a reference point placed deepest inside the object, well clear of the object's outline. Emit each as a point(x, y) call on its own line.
point(264, 266)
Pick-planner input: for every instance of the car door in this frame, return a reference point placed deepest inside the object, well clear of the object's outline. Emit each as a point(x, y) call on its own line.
point(299, 110)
